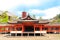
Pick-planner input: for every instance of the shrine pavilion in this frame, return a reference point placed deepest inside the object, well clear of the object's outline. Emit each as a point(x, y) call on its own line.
point(27, 24)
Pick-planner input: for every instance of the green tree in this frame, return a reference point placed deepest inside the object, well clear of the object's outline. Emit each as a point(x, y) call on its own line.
point(57, 16)
point(4, 17)
point(34, 16)
point(40, 18)
point(56, 19)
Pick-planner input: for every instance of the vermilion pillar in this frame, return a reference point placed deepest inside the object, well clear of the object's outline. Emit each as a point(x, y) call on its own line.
point(59, 28)
point(15, 28)
point(22, 28)
point(34, 28)
point(40, 27)
point(49, 29)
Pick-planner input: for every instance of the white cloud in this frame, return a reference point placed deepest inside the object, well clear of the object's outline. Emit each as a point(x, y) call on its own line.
point(19, 13)
point(35, 11)
point(8, 4)
point(49, 13)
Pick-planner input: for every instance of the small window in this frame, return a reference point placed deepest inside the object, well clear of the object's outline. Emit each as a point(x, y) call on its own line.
point(2, 28)
point(19, 28)
point(52, 28)
point(37, 29)
point(13, 29)
point(44, 28)
point(56, 28)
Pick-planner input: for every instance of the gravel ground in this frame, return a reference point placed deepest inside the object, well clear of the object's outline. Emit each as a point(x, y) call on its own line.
point(46, 37)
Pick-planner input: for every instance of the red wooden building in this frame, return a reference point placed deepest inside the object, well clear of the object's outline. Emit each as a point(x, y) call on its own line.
point(27, 24)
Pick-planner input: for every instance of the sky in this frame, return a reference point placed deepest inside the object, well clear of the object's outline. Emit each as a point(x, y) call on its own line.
point(40, 8)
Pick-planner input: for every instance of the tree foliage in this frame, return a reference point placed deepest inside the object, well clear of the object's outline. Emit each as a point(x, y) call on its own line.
point(56, 19)
point(40, 18)
point(4, 17)
point(57, 16)
point(34, 16)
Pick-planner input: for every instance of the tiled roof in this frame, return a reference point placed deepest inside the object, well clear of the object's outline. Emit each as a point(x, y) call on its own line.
point(6, 25)
point(44, 21)
point(12, 21)
point(55, 24)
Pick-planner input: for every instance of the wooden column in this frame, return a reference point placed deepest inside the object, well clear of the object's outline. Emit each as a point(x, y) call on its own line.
point(4, 29)
point(0, 29)
point(10, 27)
point(40, 27)
point(49, 28)
point(15, 28)
point(34, 28)
point(59, 28)
point(22, 28)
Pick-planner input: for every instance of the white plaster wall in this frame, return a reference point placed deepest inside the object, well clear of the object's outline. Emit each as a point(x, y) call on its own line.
point(40, 31)
point(15, 31)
